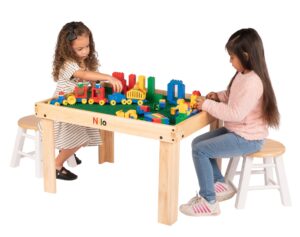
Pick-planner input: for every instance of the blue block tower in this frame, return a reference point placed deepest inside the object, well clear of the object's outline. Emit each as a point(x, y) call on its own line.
point(171, 91)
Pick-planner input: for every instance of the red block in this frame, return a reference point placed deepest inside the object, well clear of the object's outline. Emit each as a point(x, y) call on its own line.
point(156, 120)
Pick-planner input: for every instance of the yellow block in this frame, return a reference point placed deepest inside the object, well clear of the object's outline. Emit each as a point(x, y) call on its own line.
point(120, 113)
point(131, 114)
point(141, 82)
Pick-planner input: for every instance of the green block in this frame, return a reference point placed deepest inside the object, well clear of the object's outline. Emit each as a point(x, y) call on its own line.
point(151, 88)
point(180, 118)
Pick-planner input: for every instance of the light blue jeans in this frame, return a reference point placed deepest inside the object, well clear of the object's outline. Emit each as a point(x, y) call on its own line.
point(219, 143)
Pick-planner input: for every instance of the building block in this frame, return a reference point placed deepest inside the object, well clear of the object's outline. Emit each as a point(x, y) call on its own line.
point(120, 77)
point(98, 94)
point(141, 82)
point(59, 100)
point(80, 93)
point(173, 110)
point(151, 88)
point(138, 93)
point(180, 118)
point(156, 117)
point(156, 120)
point(171, 91)
point(120, 113)
point(182, 106)
point(195, 95)
point(131, 114)
point(162, 103)
point(132, 81)
point(165, 120)
point(116, 98)
point(142, 109)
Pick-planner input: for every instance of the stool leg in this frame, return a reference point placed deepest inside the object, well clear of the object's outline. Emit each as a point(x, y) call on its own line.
point(231, 169)
point(282, 181)
point(19, 143)
point(38, 155)
point(268, 171)
point(244, 182)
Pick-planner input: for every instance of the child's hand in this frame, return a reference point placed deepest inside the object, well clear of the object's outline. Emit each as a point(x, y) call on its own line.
point(213, 96)
point(200, 102)
point(116, 84)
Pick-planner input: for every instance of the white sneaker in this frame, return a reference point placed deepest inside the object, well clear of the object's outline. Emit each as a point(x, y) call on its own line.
point(223, 191)
point(198, 206)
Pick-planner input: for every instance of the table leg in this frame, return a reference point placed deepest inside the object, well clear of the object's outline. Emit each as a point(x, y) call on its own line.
point(168, 182)
point(106, 150)
point(48, 151)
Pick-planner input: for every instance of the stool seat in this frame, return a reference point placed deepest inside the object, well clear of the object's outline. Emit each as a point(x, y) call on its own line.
point(271, 155)
point(29, 122)
point(271, 148)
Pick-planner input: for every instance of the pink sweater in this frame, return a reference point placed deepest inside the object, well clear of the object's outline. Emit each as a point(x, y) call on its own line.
point(242, 110)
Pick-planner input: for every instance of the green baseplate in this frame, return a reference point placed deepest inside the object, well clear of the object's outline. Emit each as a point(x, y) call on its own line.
point(109, 109)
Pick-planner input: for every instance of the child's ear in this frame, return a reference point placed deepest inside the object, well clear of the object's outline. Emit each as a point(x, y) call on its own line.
point(246, 56)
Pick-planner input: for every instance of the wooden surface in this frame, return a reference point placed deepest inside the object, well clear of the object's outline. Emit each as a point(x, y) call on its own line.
point(112, 123)
point(168, 182)
point(271, 148)
point(29, 122)
point(48, 152)
point(106, 149)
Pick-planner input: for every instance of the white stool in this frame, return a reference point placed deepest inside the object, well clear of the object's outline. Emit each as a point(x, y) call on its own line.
point(28, 123)
point(31, 123)
point(271, 154)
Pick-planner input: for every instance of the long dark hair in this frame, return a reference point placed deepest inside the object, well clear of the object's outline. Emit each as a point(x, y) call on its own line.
point(247, 45)
point(64, 51)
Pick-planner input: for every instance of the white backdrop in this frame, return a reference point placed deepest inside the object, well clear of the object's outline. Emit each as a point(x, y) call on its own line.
point(169, 40)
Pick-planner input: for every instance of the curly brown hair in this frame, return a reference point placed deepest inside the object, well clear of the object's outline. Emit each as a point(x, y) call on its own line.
point(64, 51)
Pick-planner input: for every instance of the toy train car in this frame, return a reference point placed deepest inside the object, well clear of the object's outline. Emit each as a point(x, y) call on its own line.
point(98, 95)
point(80, 95)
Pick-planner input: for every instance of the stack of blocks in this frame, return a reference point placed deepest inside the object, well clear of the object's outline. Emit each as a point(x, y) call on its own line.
point(136, 93)
point(156, 118)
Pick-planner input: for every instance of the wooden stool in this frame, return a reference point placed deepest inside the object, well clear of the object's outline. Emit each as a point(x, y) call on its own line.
point(272, 156)
point(28, 123)
point(31, 123)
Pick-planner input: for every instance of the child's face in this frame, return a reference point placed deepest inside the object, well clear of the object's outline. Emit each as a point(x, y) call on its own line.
point(81, 46)
point(234, 60)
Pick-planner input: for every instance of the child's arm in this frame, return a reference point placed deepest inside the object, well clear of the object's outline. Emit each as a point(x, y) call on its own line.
point(221, 96)
point(213, 96)
point(244, 97)
point(95, 76)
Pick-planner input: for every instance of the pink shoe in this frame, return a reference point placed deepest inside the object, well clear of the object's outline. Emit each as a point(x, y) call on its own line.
point(198, 206)
point(223, 191)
